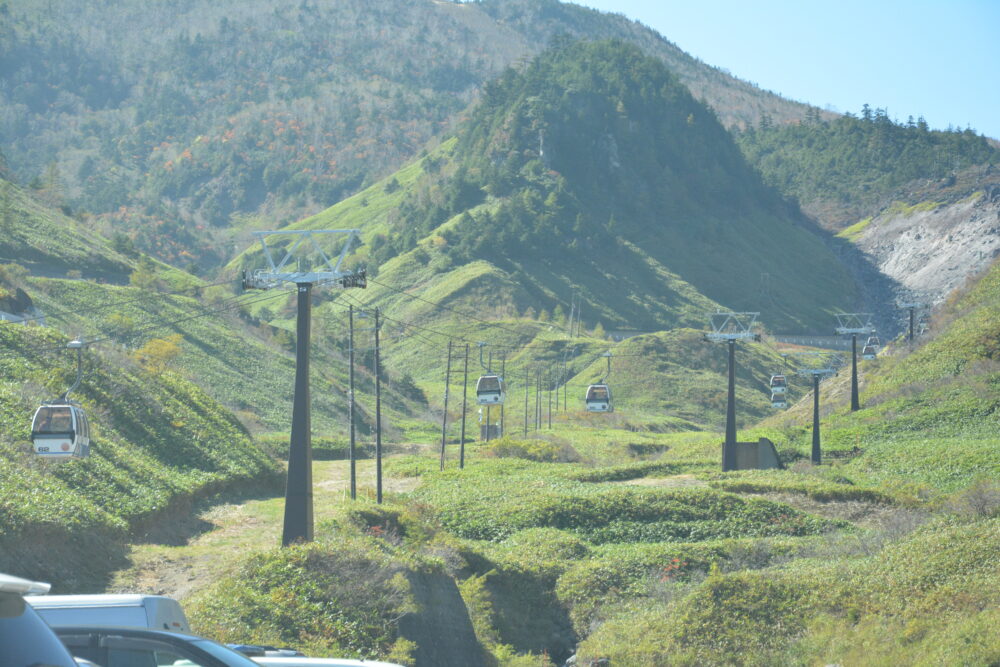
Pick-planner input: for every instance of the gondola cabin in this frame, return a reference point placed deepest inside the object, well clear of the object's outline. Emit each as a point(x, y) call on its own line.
point(598, 398)
point(490, 390)
point(779, 401)
point(779, 385)
point(869, 352)
point(61, 431)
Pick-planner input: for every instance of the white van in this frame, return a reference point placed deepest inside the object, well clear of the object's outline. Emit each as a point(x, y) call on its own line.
point(156, 612)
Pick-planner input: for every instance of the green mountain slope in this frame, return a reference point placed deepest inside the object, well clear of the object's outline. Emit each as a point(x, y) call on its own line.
point(176, 122)
point(680, 375)
point(173, 380)
point(53, 243)
point(158, 441)
point(849, 168)
point(594, 170)
point(918, 588)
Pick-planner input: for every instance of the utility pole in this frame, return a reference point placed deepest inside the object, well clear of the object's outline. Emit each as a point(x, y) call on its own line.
point(527, 381)
point(378, 412)
point(444, 416)
point(489, 369)
point(298, 519)
point(730, 327)
point(350, 409)
point(503, 378)
point(572, 312)
point(550, 402)
point(853, 324)
point(538, 399)
point(465, 387)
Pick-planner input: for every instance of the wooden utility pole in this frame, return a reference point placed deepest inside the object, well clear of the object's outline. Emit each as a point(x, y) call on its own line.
point(465, 386)
point(444, 416)
point(378, 413)
point(350, 409)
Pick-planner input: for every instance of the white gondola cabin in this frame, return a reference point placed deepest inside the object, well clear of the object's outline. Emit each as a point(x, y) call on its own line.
point(490, 390)
point(779, 385)
point(598, 398)
point(779, 401)
point(869, 352)
point(61, 431)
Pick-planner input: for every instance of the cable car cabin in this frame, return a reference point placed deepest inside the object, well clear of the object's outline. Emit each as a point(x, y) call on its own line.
point(779, 401)
point(490, 390)
point(779, 385)
point(60, 431)
point(599, 398)
point(869, 352)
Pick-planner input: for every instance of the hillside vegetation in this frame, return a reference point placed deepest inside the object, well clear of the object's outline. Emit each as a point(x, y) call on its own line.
point(173, 380)
point(540, 213)
point(631, 546)
point(175, 123)
point(848, 168)
point(158, 442)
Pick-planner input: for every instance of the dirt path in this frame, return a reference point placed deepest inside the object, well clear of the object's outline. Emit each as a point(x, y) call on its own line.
point(255, 524)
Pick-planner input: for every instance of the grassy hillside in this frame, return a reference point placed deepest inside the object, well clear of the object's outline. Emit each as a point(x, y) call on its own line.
point(647, 218)
point(845, 169)
point(53, 242)
point(174, 376)
point(175, 124)
point(633, 547)
point(158, 442)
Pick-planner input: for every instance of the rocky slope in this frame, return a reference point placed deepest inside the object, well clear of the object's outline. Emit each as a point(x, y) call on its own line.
point(938, 237)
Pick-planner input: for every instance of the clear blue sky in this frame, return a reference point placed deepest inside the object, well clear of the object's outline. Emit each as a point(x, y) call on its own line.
point(937, 59)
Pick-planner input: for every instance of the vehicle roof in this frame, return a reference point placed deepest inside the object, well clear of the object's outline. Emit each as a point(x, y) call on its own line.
point(145, 633)
point(9, 584)
point(97, 600)
point(322, 662)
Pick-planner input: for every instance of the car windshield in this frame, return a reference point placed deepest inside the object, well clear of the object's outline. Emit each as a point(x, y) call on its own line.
point(228, 656)
point(25, 639)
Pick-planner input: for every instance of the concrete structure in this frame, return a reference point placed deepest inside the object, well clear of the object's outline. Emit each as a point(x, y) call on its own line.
point(760, 455)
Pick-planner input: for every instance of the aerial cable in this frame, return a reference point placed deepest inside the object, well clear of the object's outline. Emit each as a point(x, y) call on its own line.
point(206, 311)
point(58, 314)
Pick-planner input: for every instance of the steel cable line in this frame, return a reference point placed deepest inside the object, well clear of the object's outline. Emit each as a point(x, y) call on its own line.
point(444, 307)
point(511, 348)
point(58, 314)
point(228, 304)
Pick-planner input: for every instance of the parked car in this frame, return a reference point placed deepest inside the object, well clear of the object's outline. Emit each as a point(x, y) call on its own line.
point(137, 647)
point(321, 662)
point(25, 639)
point(156, 612)
point(262, 650)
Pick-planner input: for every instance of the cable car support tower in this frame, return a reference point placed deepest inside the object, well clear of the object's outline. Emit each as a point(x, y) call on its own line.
point(853, 324)
point(729, 327)
point(298, 520)
point(817, 375)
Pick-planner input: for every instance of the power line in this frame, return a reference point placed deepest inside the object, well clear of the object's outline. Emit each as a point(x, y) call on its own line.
point(206, 311)
point(57, 314)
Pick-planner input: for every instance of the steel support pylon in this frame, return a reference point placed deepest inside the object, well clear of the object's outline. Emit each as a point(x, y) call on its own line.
point(298, 526)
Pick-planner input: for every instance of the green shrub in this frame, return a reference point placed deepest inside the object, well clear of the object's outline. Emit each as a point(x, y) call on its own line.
point(340, 598)
point(531, 450)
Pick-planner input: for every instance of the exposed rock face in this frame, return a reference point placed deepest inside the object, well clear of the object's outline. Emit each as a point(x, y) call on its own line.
point(932, 248)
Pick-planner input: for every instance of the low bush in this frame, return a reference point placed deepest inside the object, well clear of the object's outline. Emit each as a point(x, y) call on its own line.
point(340, 599)
point(543, 450)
